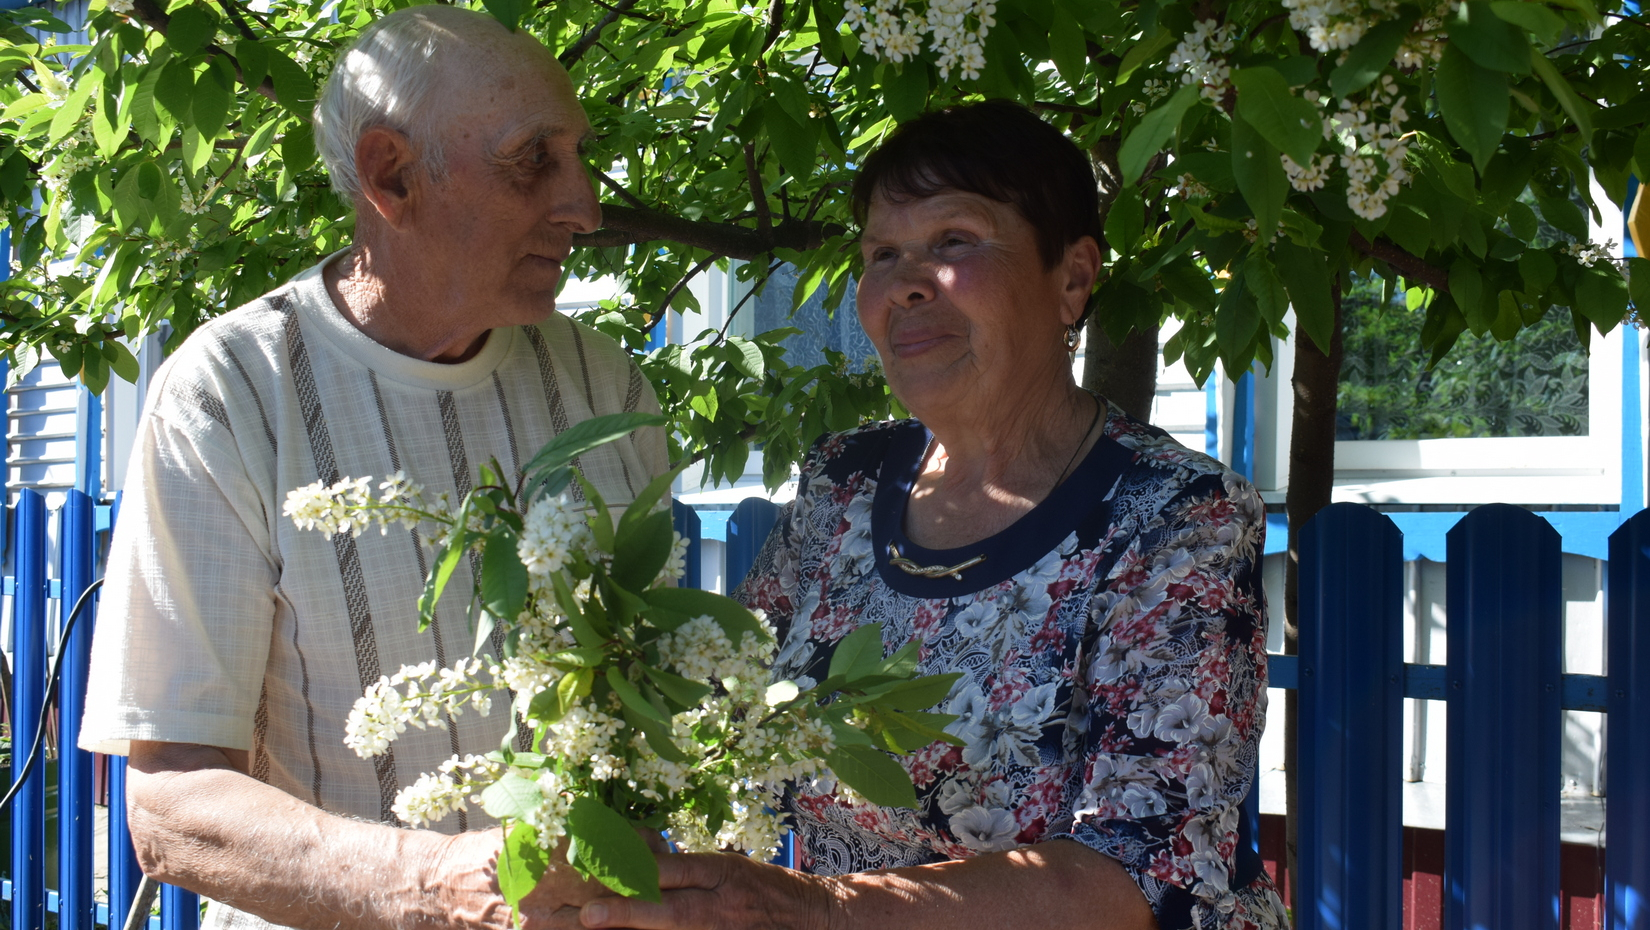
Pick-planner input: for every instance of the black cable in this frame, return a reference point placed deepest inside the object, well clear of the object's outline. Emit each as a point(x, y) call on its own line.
point(46, 704)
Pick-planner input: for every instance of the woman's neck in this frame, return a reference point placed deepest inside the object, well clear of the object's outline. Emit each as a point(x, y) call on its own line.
point(988, 468)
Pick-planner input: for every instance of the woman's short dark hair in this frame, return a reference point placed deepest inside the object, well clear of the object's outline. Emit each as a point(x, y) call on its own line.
point(997, 149)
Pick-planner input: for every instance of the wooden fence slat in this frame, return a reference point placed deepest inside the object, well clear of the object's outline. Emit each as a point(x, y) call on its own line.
point(1505, 636)
point(77, 541)
point(747, 531)
point(1351, 720)
point(1627, 603)
point(28, 691)
point(686, 522)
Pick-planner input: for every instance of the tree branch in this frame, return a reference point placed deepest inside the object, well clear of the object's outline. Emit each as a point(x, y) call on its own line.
point(776, 21)
point(1401, 261)
point(149, 13)
point(670, 295)
point(235, 17)
point(759, 197)
point(594, 33)
point(624, 225)
point(619, 189)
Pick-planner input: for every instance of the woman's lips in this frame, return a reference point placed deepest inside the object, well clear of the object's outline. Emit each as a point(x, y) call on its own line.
point(915, 344)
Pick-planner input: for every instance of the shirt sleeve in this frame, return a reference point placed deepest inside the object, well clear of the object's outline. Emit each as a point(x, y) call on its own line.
point(1174, 682)
point(183, 633)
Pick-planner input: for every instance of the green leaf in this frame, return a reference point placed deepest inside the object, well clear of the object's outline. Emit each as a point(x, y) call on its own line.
point(1580, 111)
point(746, 357)
point(507, 12)
point(144, 120)
point(1535, 17)
point(214, 90)
point(1305, 274)
point(1142, 52)
point(511, 796)
point(1474, 101)
point(189, 29)
point(446, 562)
point(521, 863)
point(919, 693)
point(70, 111)
point(631, 697)
point(1564, 215)
point(1153, 132)
point(795, 143)
point(1521, 220)
point(1292, 125)
point(1538, 270)
point(1125, 220)
point(1260, 176)
point(1638, 282)
point(254, 59)
point(732, 616)
point(586, 435)
point(907, 91)
point(858, 653)
point(1601, 296)
point(293, 86)
point(1372, 55)
point(673, 686)
point(1068, 46)
point(174, 89)
point(1466, 285)
point(641, 549)
point(657, 735)
point(1488, 39)
point(605, 846)
point(1262, 280)
point(503, 577)
point(642, 506)
point(869, 771)
point(298, 147)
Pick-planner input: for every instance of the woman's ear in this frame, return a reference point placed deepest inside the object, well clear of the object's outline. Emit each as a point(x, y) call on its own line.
point(1080, 269)
point(386, 169)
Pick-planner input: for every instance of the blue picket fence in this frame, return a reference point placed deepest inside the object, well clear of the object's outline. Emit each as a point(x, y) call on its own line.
point(1503, 683)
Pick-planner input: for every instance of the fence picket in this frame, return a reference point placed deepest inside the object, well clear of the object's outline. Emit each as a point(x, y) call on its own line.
point(75, 818)
point(1351, 719)
point(686, 521)
point(28, 692)
point(1505, 637)
point(1627, 602)
point(747, 531)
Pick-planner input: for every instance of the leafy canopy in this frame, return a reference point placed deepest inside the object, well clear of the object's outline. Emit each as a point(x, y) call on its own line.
point(1253, 157)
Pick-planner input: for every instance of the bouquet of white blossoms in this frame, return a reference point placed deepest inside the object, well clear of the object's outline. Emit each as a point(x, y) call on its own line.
point(644, 706)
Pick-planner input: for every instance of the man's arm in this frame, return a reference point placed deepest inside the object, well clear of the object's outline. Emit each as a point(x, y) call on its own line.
point(200, 822)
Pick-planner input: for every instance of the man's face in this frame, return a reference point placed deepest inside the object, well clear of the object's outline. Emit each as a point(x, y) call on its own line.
point(501, 223)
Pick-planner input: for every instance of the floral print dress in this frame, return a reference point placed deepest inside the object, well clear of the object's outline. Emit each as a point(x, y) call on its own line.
point(1112, 645)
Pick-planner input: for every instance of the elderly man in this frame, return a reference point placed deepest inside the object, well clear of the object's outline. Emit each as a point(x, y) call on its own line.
point(233, 645)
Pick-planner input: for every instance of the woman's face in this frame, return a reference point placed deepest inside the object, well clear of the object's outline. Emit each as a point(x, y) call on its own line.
point(956, 299)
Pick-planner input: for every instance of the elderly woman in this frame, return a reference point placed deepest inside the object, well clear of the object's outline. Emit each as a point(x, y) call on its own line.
point(1096, 584)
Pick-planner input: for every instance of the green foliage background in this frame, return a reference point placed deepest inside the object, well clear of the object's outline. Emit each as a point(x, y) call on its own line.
point(165, 171)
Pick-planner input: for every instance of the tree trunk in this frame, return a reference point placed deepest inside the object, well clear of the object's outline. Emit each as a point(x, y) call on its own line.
point(1124, 374)
point(1311, 484)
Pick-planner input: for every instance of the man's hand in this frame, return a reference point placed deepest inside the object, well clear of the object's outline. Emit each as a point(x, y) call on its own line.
point(200, 822)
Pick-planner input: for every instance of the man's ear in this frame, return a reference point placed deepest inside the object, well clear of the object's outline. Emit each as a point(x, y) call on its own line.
point(1082, 268)
point(386, 168)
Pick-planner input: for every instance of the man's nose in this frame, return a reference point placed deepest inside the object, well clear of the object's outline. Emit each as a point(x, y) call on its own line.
point(574, 203)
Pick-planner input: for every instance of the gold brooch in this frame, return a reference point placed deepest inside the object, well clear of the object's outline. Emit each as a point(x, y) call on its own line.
point(930, 571)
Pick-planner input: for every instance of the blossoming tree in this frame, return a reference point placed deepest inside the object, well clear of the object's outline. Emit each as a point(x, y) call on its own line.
point(1253, 155)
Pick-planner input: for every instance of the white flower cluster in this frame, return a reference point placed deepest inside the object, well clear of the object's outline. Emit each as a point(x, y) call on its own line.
point(553, 536)
point(51, 84)
point(1310, 177)
point(1152, 91)
point(193, 204)
point(75, 153)
point(1200, 57)
point(893, 30)
point(1193, 189)
point(384, 711)
point(754, 827)
point(1337, 25)
point(123, 7)
point(1591, 254)
point(349, 505)
point(676, 564)
point(700, 650)
point(1376, 147)
point(591, 737)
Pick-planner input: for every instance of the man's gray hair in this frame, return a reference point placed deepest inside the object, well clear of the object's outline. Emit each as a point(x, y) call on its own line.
point(387, 77)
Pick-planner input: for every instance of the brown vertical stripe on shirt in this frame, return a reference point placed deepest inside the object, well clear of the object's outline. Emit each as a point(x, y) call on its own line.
point(552, 394)
point(349, 559)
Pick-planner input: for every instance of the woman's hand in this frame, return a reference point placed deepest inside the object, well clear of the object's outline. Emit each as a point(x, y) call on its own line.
point(715, 891)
